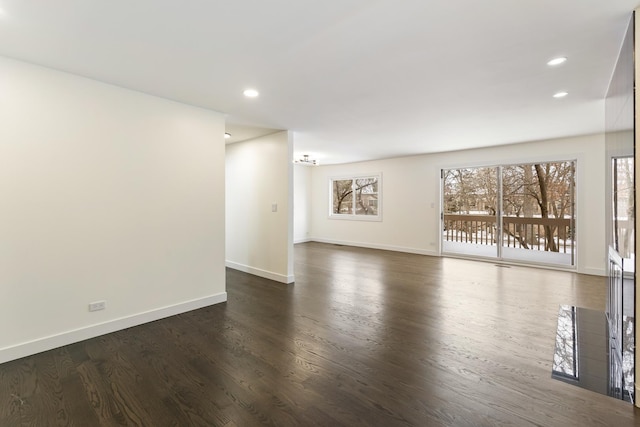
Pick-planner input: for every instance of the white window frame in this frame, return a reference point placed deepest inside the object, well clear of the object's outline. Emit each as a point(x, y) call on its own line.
point(354, 216)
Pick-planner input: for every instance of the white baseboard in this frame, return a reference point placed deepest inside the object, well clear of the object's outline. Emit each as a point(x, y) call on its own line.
point(378, 246)
point(593, 271)
point(303, 240)
point(261, 273)
point(54, 341)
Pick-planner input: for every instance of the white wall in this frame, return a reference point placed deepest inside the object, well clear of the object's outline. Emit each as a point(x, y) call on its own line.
point(411, 196)
point(301, 203)
point(259, 174)
point(107, 194)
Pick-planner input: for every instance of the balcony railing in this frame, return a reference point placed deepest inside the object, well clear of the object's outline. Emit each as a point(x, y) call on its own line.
point(542, 234)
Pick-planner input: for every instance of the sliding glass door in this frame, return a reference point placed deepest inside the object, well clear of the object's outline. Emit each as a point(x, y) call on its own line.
point(521, 212)
point(470, 206)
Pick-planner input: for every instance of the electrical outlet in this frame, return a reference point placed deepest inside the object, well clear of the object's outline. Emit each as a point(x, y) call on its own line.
point(97, 305)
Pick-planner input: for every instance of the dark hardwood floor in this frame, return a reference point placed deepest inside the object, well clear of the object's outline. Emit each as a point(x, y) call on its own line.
point(364, 337)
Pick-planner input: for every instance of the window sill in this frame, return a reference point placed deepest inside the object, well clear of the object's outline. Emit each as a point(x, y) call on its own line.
point(369, 218)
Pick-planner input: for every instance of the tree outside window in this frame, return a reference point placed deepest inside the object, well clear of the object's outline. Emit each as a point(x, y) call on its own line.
point(355, 197)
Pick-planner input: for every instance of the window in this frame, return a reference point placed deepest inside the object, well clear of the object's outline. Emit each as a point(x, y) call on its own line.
point(623, 210)
point(356, 197)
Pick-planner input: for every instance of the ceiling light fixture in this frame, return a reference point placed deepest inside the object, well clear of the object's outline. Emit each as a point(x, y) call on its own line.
point(306, 161)
point(560, 94)
point(557, 61)
point(227, 135)
point(251, 93)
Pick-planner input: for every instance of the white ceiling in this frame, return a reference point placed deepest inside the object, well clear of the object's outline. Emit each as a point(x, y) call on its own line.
point(354, 79)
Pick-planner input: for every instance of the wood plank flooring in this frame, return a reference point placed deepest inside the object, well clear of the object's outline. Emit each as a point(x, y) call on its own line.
point(364, 337)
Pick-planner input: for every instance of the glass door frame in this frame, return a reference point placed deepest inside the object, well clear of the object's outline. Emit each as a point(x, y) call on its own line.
point(544, 257)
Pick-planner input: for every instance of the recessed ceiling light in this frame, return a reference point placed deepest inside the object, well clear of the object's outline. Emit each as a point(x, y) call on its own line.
point(227, 135)
point(560, 94)
point(557, 61)
point(251, 93)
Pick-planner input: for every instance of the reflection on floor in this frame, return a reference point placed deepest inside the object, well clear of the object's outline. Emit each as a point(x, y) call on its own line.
point(584, 355)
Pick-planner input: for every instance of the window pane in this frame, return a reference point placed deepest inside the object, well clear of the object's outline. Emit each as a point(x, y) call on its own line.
point(471, 191)
point(623, 209)
point(343, 196)
point(537, 202)
point(470, 203)
point(367, 196)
